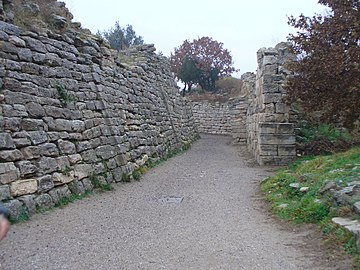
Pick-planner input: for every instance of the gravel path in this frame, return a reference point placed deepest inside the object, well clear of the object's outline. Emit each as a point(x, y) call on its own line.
point(221, 222)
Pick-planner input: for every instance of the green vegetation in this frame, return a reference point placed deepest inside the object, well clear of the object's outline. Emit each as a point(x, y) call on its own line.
point(72, 198)
point(98, 184)
point(121, 38)
point(23, 216)
point(64, 96)
point(294, 192)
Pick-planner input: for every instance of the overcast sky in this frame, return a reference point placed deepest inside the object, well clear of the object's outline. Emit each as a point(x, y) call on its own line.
point(243, 26)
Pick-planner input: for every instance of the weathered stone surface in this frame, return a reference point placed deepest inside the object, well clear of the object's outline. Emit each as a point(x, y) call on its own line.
point(74, 159)
point(45, 183)
point(47, 165)
point(8, 173)
point(6, 141)
point(15, 208)
point(26, 167)
point(60, 179)
point(10, 155)
point(82, 171)
point(106, 151)
point(29, 203)
point(66, 147)
point(37, 137)
point(4, 192)
point(105, 110)
point(35, 110)
point(23, 187)
point(31, 152)
point(44, 201)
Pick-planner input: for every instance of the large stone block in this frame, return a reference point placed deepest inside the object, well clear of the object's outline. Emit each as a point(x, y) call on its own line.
point(38, 137)
point(287, 150)
point(8, 173)
point(26, 167)
point(82, 171)
point(10, 155)
point(276, 139)
point(4, 192)
point(66, 147)
point(276, 128)
point(23, 187)
point(6, 142)
point(60, 179)
point(45, 183)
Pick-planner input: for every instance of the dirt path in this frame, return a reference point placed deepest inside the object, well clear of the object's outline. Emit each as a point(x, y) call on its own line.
point(221, 223)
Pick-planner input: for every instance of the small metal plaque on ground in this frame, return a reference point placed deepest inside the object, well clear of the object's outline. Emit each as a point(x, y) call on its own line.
point(171, 199)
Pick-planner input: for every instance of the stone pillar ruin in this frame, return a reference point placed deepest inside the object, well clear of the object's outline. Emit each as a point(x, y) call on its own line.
point(271, 136)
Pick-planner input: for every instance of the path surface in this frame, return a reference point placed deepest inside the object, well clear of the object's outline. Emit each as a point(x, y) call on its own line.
point(220, 224)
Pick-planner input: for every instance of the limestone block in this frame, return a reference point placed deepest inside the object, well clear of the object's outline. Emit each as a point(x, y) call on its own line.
point(280, 139)
point(275, 160)
point(66, 147)
point(10, 155)
point(74, 159)
point(287, 150)
point(60, 179)
point(276, 128)
point(268, 150)
point(32, 124)
point(26, 167)
point(63, 163)
point(6, 142)
point(49, 150)
point(281, 108)
point(45, 183)
point(35, 110)
point(37, 137)
point(31, 152)
point(44, 201)
point(122, 159)
point(82, 171)
point(106, 151)
point(47, 164)
point(4, 192)
point(15, 208)
point(8, 173)
point(25, 54)
point(23, 187)
point(29, 203)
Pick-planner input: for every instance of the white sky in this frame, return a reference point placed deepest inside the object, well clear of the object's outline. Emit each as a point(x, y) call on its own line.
point(243, 26)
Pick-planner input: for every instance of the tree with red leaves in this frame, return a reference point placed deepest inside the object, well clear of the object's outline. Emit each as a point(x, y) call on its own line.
point(327, 72)
point(202, 61)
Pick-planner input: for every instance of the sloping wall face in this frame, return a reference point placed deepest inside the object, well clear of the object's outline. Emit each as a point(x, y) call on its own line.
point(74, 112)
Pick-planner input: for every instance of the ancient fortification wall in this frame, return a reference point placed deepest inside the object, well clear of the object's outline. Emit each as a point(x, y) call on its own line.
point(258, 118)
point(73, 111)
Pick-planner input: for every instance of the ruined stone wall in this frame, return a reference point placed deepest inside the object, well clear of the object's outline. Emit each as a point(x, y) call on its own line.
point(270, 131)
point(212, 117)
point(259, 117)
point(72, 111)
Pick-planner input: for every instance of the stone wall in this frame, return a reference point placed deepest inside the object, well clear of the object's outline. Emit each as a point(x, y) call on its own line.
point(212, 117)
point(72, 110)
point(259, 117)
point(271, 135)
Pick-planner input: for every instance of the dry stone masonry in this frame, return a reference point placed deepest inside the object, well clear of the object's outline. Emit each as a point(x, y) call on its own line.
point(72, 110)
point(259, 117)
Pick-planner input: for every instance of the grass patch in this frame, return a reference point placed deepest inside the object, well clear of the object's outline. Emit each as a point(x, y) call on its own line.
point(23, 216)
point(98, 184)
point(283, 191)
point(72, 198)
